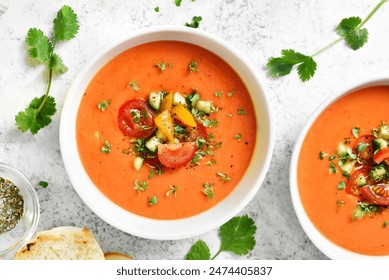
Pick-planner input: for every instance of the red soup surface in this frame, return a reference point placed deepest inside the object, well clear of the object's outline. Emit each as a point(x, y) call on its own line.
point(330, 209)
point(113, 172)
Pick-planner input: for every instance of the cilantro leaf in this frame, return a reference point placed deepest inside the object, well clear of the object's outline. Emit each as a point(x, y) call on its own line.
point(39, 46)
point(178, 2)
point(65, 24)
point(33, 119)
point(281, 66)
point(56, 64)
point(195, 22)
point(349, 28)
point(43, 184)
point(199, 251)
point(237, 235)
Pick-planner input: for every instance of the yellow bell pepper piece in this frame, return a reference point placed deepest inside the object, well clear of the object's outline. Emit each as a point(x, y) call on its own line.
point(165, 124)
point(182, 114)
point(167, 102)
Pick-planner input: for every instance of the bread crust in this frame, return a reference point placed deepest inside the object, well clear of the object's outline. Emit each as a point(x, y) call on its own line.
point(62, 243)
point(117, 256)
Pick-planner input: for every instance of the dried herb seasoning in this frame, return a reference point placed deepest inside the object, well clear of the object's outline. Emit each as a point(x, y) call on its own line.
point(11, 205)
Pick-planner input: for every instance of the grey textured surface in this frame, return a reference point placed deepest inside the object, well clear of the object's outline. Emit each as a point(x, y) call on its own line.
point(259, 28)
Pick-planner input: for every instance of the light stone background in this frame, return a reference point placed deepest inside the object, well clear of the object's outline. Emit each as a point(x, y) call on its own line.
point(258, 28)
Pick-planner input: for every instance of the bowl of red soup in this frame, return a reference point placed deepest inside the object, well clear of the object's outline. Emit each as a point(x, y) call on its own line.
point(340, 174)
point(167, 133)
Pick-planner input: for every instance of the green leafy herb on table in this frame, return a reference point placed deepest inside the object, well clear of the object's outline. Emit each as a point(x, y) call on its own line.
point(43, 184)
point(39, 112)
point(237, 236)
point(349, 29)
point(195, 22)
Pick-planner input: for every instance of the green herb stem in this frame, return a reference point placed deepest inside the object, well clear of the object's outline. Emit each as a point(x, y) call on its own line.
point(328, 46)
point(218, 252)
point(47, 90)
point(372, 12)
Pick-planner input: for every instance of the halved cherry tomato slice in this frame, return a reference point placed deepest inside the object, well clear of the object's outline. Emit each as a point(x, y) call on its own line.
point(381, 155)
point(376, 194)
point(176, 155)
point(351, 187)
point(136, 119)
point(195, 132)
point(366, 157)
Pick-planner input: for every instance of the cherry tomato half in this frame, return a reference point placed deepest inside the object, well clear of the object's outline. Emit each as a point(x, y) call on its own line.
point(176, 155)
point(381, 155)
point(136, 119)
point(376, 194)
point(194, 132)
point(366, 157)
point(351, 187)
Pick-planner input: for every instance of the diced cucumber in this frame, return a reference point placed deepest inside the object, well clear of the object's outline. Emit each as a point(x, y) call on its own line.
point(347, 168)
point(383, 131)
point(138, 163)
point(360, 181)
point(178, 99)
point(379, 144)
point(342, 150)
point(378, 173)
point(155, 99)
point(152, 144)
point(204, 106)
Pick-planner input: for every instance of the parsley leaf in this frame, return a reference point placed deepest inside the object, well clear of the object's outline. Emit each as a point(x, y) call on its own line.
point(134, 85)
point(281, 66)
point(36, 115)
point(349, 28)
point(65, 24)
point(40, 110)
point(195, 22)
point(199, 251)
point(237, 235)
point(43, 184)
point(39, 46)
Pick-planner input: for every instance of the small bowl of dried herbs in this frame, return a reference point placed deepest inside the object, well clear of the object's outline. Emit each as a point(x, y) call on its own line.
point(19, 210)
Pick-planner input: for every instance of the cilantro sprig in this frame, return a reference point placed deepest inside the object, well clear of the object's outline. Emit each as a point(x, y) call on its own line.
point(237, 236)
point(349, 29)
point(39, 112)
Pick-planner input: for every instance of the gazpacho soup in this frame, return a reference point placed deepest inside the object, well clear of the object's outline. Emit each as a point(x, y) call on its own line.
point(343, 172)
point(166, 130)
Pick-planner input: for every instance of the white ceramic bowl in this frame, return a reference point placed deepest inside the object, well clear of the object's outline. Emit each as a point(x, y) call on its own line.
point(168, 229)
point(328, 248)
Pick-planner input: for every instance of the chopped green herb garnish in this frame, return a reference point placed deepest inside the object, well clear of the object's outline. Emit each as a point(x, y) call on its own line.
point(385, 224)
point(356, 131)
point(342, 185)
point(39, 112)
point(340, 203)
point(156, 9)
point(172, 190)
point(218, 94)
point(211, 138)
point(229, 115)
point(178, 2)
point(363, 209)
point(210, 123)
point(238, 136)
point(141, 187)
point(208, 190)
point(158, 170)
point(178, 129)
point(241, 111)
point(193, 66)
point(361, 147)
point(103, 105)
point(134, 85)
point(332, 168)
point(223, 177)
point(331, 158)
point(153, 200)
point(347, 140)
point(106, 148)
point(161, 65)
point(349, 29)
point(135, 116)
point(231, 93)
point(211, 162)
point(43, 184)
point(322, 155)
point(195, 22)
